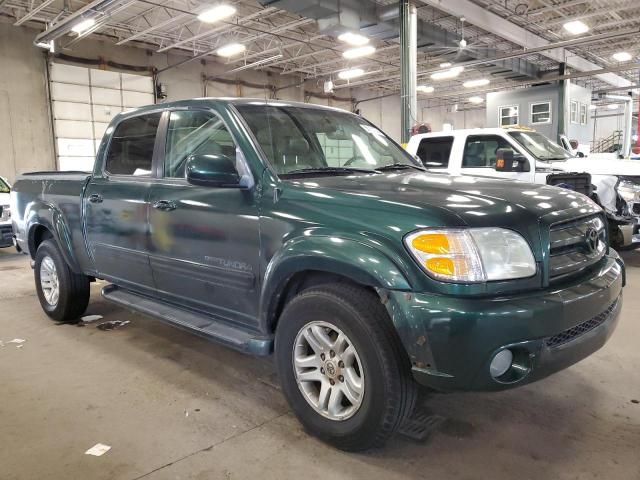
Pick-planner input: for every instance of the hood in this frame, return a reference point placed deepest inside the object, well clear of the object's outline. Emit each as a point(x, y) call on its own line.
point(600, 166)
point(430, 199)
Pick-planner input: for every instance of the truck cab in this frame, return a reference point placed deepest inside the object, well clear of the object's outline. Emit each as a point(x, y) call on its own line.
point(6, 232)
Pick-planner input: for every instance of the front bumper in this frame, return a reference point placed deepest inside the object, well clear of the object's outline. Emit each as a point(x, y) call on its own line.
point(6, 236)
point(451, 340)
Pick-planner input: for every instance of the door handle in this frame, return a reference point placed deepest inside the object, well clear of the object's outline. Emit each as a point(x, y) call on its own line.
point(164, 205)
point(95, 198)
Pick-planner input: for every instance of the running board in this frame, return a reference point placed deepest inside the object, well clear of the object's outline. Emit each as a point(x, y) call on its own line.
point(198, 323)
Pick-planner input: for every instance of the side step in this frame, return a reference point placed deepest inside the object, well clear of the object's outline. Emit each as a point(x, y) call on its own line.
point(203, 325)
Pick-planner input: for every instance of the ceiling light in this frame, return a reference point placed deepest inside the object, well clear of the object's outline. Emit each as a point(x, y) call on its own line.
point(352, 73)
point(476, 99)
point(463, 43)
point(214, 14)
point(481, 82)
point(445, 65)
point(612, 106)
point(83, 26)
point(359, 52)
point(622, 56)
point(425, 89)
point(46, 45)
point(576, 27)
point(354, 39)
point(592, 107)
point(446, 74)
point(231, 50)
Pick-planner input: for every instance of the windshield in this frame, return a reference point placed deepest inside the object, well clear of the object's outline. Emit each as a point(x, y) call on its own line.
point(298, 140)
point(540, 146)
point(4, 188)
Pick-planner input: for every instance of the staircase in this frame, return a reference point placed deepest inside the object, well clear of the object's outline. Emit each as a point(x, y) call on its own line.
point(610, 144)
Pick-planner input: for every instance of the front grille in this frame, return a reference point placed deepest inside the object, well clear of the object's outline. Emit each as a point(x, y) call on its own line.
point(570, 247)
point(581, 329)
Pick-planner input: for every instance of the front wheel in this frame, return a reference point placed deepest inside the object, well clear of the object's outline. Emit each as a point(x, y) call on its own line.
point(342, 367)
point(63, 294)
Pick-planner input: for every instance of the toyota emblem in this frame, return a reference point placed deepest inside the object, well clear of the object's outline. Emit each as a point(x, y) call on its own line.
point(591, 239)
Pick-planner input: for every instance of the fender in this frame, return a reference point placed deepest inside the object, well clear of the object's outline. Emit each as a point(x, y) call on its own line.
point(49, 216)
point(350, 258)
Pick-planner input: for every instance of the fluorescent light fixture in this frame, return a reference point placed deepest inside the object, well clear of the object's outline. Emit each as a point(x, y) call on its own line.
point(481, 82)
point(447, 74)
point(462, 43)
point(359, 52)
point(576, 27)
point(622, 56)
point(592, 107)
point(612, 106)
point(231, 50)
point(354, 39)
point(258, 63)
point(445, 64)
point(46, 45)
point(352, 73)
point(214, 14)
point(476, 99)
point(83, 26)
point(425, 89)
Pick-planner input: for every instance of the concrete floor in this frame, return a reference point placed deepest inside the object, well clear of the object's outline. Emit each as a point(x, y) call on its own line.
point(173, 406)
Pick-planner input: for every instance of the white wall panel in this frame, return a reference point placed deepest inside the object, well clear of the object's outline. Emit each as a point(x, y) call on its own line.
point(71, 111)
point(99, 129)
point(76, 163)
point(104, 113)
point(66, 92)
point(60, 72)
point(105, 96)
point(73, 129)
point(105, 79)
point(136, 99)
point(75, 147)
point(137, 83)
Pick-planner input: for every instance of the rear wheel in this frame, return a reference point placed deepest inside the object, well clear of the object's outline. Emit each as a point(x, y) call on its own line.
point(63, 294)
point(342, 367)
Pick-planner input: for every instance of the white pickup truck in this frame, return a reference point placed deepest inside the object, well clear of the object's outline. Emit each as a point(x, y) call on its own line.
point(526, 155)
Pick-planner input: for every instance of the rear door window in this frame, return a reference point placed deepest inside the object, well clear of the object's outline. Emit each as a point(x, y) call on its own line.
point(131, 147)
point(481, 150)
point(435, 152)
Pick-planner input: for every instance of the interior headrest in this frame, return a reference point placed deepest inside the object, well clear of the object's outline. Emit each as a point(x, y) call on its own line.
point(297, 146)
point(265, 136)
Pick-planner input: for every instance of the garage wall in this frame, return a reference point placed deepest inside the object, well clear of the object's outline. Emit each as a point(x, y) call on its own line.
point(26, 143)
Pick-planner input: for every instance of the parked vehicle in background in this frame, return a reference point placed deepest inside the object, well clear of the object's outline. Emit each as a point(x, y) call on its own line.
point(6, 232)
point(306, 230)
point(531, 157)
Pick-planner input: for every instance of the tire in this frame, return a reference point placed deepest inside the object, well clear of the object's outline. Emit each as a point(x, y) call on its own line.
point(389, 392)
point(50, 269)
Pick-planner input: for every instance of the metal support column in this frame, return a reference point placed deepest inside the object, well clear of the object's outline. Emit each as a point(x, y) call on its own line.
point(408, 67)
point(563, 103)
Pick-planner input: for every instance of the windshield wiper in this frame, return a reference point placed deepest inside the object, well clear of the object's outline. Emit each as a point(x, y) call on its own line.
point(399, 166)
point(328, 170)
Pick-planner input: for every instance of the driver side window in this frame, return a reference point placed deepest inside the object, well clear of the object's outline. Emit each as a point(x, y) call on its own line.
point(481, 150)
point(195, 132)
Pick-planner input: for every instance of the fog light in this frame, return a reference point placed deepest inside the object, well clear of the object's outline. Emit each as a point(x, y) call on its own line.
point(501, 363)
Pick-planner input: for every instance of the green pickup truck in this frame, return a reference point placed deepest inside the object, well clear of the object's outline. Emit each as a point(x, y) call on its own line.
point(306, 232)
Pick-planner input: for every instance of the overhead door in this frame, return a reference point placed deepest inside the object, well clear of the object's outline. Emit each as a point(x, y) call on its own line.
point(83, 102)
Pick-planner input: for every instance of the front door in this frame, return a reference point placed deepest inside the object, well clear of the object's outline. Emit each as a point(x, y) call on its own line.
point(479, 158)
point(116, 204)
point(204, 240)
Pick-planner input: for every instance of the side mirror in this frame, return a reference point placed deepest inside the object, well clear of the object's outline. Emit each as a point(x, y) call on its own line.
point(508, 161)
point(213, 171)
point(580, 155)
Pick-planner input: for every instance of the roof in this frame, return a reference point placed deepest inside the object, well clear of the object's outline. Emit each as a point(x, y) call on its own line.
point(471, 131)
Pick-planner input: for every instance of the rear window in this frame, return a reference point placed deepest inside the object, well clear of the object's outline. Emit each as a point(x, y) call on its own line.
point(131, 148)
point(434, 152)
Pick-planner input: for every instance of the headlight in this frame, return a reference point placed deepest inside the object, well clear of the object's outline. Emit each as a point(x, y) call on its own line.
point(472, 255)
point(629, 191)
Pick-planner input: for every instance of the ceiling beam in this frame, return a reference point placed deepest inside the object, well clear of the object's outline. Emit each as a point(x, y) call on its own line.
point(491, 22)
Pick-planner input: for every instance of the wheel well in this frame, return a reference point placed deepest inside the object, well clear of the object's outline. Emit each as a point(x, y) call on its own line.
point(303, 281)
point(38, 235)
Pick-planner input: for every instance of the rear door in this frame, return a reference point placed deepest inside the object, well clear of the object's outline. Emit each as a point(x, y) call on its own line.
point(434, 152)
point(205, 245)
point(116, 204)
point(479, 158)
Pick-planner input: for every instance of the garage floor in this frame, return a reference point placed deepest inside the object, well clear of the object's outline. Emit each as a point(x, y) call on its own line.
point(174, 406)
